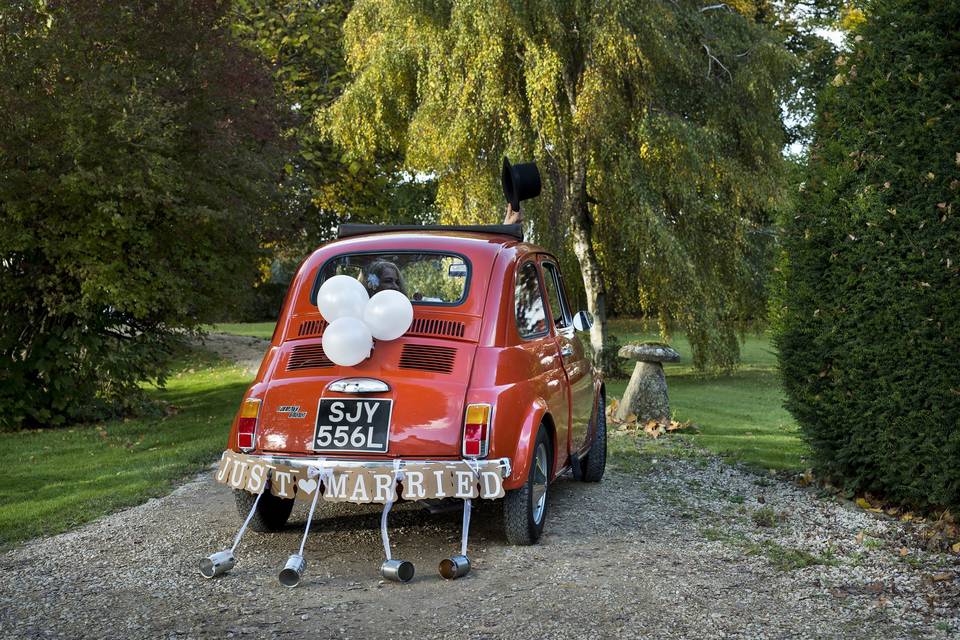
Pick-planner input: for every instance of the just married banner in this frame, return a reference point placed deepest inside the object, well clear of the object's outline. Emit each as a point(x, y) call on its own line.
point(418, 481)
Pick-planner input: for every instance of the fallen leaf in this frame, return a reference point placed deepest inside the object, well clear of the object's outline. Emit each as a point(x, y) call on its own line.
point(956, 547)
point(681, 426)
point(904, 551)
point(907, 517)
point(874, 587)
point(653, 429)
point(631, 418)
point(859, 538)
point(838, 593)
point(862, 503)
point(942, 577)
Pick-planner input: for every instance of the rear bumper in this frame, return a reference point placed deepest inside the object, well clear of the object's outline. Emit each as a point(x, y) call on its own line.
point(316, 462)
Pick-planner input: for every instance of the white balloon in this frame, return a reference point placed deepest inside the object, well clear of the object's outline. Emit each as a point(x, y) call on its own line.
point(347, 341)
point(388, 315)
point(342, 297)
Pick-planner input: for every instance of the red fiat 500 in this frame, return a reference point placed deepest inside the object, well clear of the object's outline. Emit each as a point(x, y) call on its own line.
point(491, 368)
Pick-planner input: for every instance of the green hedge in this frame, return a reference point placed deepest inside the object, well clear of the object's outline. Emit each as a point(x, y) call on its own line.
point(869, 324)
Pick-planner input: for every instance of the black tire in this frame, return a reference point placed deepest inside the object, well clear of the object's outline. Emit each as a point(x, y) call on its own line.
point(272, 512)
point(596, 460)
point(521, 507)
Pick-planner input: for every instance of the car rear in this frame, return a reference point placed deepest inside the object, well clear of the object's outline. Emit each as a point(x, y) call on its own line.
point(407, 399)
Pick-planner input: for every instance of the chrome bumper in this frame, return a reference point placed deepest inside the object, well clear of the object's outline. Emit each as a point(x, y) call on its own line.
point(317, 462)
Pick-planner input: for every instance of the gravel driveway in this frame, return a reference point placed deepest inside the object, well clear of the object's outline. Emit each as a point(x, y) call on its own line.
point(672, 544)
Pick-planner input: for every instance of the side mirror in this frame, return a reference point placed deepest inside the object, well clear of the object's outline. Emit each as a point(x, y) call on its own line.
point(582, 321)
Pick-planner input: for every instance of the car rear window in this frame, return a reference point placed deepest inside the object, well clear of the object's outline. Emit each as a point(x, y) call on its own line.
point(425, 278)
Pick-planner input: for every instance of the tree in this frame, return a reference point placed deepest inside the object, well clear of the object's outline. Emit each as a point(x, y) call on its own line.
point(302, 44)
point(869, 319)
point(139, 146)
point(657, 127)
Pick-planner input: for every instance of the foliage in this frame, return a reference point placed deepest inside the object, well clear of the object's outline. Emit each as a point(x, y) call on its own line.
point(611, 364)
point(320, 185)
point(656, 125)
point(802, 23)
point(870, 315)
point(138, 147)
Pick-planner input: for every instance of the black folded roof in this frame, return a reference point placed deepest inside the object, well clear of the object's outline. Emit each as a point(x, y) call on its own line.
point(512, 230)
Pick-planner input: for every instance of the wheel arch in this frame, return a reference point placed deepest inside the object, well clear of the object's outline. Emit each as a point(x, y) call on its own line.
point(537, 414)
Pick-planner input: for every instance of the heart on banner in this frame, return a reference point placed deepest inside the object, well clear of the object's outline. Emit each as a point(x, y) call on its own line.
point(308, 486)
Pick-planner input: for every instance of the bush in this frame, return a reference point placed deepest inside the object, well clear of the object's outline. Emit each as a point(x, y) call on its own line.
point(609, 362)
point(869, 323)
point(265, 302)
point(137, 154)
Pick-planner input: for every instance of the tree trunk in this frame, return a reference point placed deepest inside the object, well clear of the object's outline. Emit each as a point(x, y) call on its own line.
point(581, 225)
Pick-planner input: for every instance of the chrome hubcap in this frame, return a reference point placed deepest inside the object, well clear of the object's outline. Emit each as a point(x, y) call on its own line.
point(539, 483)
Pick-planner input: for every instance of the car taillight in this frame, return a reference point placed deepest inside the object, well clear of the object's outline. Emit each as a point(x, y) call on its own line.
point(476, 431)
point(247, 424)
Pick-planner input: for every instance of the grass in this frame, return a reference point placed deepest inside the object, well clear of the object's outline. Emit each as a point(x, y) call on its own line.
point(781, 557)
point(53, 480)
point(786, 558)
point(765, 517)
point(251, 329)
point(740, 415)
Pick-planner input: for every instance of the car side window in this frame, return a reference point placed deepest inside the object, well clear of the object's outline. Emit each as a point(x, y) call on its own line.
point(531, 316)
point(558, 304)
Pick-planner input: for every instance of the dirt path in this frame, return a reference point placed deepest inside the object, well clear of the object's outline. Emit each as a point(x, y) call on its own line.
point(671, 544)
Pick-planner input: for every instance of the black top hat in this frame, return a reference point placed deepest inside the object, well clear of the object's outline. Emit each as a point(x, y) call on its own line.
point(520, 182)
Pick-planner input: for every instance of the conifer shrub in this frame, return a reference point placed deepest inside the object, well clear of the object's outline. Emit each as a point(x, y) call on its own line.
point(869, 321)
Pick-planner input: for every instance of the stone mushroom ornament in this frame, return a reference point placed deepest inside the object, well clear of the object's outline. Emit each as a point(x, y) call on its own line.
point(646, 394)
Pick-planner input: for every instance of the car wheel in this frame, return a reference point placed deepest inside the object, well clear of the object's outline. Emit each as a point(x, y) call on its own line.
point(596, 460)
point(525, 509)
point(272, 512)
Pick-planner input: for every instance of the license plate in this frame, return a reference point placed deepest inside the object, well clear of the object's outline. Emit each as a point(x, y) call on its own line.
point(348, 424)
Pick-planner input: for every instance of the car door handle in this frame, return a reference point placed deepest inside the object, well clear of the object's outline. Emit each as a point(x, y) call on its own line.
point(566, 351)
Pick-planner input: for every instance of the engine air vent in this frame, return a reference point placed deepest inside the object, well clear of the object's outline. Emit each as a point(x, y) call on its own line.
point(435, 327)
point(308, 356)
point(427, 357)
point(311, 328)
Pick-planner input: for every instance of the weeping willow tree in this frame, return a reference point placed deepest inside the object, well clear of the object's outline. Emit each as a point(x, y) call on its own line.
point(656, 125)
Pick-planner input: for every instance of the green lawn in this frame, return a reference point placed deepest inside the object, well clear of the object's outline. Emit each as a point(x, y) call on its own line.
point(53, 480)
point(740, 415)
point(252, 329)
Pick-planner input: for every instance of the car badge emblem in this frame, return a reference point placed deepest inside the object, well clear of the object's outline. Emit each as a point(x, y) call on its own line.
point(292, 411)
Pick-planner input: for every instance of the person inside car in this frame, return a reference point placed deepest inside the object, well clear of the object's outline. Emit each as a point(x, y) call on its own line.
point(383, 275)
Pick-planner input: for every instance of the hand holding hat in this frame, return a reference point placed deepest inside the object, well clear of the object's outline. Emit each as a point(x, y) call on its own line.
point(520, 182)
